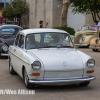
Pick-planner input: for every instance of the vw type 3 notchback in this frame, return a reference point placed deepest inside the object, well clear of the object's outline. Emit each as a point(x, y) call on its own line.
point(48, 56)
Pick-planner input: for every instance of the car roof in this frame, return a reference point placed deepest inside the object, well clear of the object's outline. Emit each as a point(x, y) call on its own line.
point(14, 26)
point(41, 30)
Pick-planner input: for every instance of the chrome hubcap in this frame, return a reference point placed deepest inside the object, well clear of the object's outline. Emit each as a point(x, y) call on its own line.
point(10, 66)
point(25, 77)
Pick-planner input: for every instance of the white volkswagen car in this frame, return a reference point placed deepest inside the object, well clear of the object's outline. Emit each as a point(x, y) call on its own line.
point(48, 56)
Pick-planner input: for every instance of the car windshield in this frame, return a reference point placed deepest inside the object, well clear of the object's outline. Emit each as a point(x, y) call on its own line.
point(48, 40)
point(9, 31)
point(91, 27)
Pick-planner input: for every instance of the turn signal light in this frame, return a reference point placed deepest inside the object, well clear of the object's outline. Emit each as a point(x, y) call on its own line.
point(4, 42)
point(90, 71)
point(35, 74)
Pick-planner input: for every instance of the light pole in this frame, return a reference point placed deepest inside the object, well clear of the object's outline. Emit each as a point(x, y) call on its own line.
point(5, 6)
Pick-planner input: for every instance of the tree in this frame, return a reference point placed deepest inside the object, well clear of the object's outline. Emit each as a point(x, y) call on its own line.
point(8, 12)
point(20, 7)
point(17, 8)
point(64, 12)
point(88, 7)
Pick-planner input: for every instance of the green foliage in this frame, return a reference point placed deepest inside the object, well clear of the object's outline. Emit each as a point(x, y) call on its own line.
point(25, 27)
point(88, 7)
point(20, 7)
point(16, 8)
point(70, 30)
point(8, 12)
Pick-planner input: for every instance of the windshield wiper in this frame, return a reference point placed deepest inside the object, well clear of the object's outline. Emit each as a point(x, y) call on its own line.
point(48, 46)
point(61, 46)
point(68, 46)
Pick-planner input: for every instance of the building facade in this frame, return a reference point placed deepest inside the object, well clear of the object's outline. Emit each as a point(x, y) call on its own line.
point(46, 10)
point(75, 20)
point(2, 3)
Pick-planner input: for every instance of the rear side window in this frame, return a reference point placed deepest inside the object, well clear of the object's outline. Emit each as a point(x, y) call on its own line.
point(21, 41)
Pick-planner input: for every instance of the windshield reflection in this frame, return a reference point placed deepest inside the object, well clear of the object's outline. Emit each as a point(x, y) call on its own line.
point(48, 40)
point(86, 27)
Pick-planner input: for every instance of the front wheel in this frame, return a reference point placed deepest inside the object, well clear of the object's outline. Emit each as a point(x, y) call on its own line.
point(27, 84)
point(11, 70)
point(0, 56)
point(84, 83)
point(95, 50)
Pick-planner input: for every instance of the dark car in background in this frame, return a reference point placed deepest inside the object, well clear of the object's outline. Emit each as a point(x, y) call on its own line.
point(7, 37)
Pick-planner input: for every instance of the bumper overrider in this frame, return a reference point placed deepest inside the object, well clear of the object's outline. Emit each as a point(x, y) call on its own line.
point(62, 81)
point(94, 47)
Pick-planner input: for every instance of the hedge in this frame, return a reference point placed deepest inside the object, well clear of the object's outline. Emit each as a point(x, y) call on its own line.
point(70, 30)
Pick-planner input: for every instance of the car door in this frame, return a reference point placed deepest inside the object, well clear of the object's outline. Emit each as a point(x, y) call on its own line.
point(14, 54)
point(19, 53)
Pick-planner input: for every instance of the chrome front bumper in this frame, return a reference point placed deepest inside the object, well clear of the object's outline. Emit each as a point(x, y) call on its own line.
point(81, 44)
point(62, 81)
point(4, 54)
point(93, 47)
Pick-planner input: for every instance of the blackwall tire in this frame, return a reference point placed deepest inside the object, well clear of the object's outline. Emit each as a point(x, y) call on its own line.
point(95, 50)
point(84, 83)
point(11, 70)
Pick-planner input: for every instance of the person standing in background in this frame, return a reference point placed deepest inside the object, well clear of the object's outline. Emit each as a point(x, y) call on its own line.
point(42, 34)
point(41, 24)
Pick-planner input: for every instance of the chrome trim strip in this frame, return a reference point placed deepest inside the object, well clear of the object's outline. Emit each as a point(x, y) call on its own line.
point(81, 44)
point(62, 81)
point(19, 58)
point(93, 47)
point(3, 54)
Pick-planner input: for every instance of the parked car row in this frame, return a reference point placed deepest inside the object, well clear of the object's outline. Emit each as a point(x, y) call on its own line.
point(7, 37)
point(45, 56)
point(88, 35)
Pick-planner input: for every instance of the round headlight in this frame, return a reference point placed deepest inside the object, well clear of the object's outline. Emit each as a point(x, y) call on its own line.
point(36, 65)
point(96, 41)
point(83, 38)
point(90, 63)
point(5, 48)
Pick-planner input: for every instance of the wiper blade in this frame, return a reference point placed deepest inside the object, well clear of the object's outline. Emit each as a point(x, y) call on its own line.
point(61, 46)
point(48, 46)
point(67, 46)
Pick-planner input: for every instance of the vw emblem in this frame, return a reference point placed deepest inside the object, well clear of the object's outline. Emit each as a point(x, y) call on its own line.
point(64, 64)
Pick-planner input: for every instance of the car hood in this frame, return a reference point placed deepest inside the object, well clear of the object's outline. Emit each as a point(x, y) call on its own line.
point(59, 57)
point(87, 31)
point(8, 39)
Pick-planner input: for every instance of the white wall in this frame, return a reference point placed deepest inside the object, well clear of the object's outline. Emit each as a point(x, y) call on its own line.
point(7, 1)
point(75, 20)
